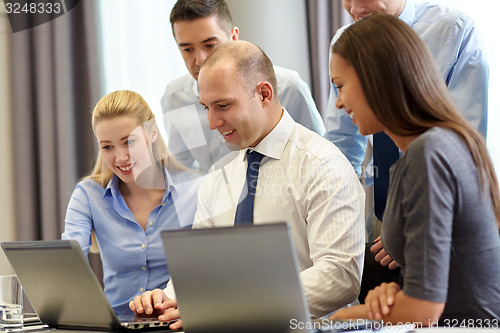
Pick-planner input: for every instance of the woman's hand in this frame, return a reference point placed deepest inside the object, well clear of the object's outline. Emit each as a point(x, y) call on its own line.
point(381, 255)
point(378, 301)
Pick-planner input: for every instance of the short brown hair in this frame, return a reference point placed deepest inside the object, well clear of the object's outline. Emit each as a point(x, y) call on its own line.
point(188, 10)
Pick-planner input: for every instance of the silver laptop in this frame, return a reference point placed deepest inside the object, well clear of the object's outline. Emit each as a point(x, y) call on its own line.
point(237, 279)
point(63, 289)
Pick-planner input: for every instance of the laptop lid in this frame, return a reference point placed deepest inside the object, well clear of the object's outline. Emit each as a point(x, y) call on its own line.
point(236, 279)
point(62, 287)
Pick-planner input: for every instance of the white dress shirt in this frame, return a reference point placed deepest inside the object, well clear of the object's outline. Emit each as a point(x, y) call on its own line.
point(304, 180)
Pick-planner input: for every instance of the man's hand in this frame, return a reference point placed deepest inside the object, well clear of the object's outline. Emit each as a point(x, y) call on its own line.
point(156, 304)
point(381, 255)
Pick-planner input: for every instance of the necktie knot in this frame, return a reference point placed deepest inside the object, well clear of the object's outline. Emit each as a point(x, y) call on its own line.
point(254, 157)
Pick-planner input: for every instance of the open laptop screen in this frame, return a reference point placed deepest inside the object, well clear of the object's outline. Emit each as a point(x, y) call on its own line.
point(236, 278)
point(61, 286)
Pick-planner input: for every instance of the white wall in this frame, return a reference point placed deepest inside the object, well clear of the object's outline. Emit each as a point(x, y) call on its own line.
point(279, 28)
point(484, 13)
point(139, 50)
point(7, 220)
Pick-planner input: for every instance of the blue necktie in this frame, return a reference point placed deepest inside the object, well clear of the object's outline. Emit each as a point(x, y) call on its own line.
point(244, 210)
point(385, 153)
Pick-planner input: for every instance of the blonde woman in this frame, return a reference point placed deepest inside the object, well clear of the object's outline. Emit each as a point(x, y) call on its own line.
point(135, 191)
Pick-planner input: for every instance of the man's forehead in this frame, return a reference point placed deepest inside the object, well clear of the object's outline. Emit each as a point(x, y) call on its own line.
point(215, 78)
point(218, 72)
point(200, 29)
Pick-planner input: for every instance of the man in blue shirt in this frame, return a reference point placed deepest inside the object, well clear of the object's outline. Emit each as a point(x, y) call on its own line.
point(458, 50)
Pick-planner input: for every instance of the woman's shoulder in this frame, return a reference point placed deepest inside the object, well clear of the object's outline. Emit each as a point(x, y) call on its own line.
point(90, 186)
point(440, 148)
point(438, 139)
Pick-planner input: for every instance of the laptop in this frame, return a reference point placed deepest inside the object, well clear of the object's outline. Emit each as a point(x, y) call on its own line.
point(237, 279)
point(63, 289)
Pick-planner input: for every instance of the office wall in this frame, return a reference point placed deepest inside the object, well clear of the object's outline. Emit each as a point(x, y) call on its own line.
point(278, 27)
point(7, 220)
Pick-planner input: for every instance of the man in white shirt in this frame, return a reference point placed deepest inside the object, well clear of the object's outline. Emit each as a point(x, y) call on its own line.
point(200, 26)
point(303, 179)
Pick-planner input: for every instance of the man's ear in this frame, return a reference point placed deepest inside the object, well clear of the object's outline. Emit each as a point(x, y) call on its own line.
point(266, 93)
point(235, 33)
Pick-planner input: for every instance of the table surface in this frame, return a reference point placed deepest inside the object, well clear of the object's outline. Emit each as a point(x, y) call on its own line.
point(32, 324)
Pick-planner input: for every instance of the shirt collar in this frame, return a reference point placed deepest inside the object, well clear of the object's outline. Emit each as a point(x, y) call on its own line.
point(196, 90)
point(169, 183)
point(112, 188)
point(408, 13)
point(275, 142)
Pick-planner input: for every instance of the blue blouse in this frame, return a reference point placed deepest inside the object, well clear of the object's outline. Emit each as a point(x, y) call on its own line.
point(133, 258)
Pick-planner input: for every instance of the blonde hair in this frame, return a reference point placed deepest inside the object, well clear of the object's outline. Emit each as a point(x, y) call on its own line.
point(128, 103)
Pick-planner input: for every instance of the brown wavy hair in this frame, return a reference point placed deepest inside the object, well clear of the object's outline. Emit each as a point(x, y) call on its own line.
point(404, 87)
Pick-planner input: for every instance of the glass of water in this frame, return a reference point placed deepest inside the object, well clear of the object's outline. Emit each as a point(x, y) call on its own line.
point(11, 302)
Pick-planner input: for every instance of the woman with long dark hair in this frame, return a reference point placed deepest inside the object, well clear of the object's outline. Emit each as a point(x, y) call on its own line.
point(441, 222)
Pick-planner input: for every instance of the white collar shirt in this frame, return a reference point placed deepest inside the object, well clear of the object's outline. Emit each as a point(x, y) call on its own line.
point(306, 181)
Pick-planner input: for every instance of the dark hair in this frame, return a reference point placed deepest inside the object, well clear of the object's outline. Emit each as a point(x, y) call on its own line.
point(404, 87)
point(188, 10)
point(251, 63)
